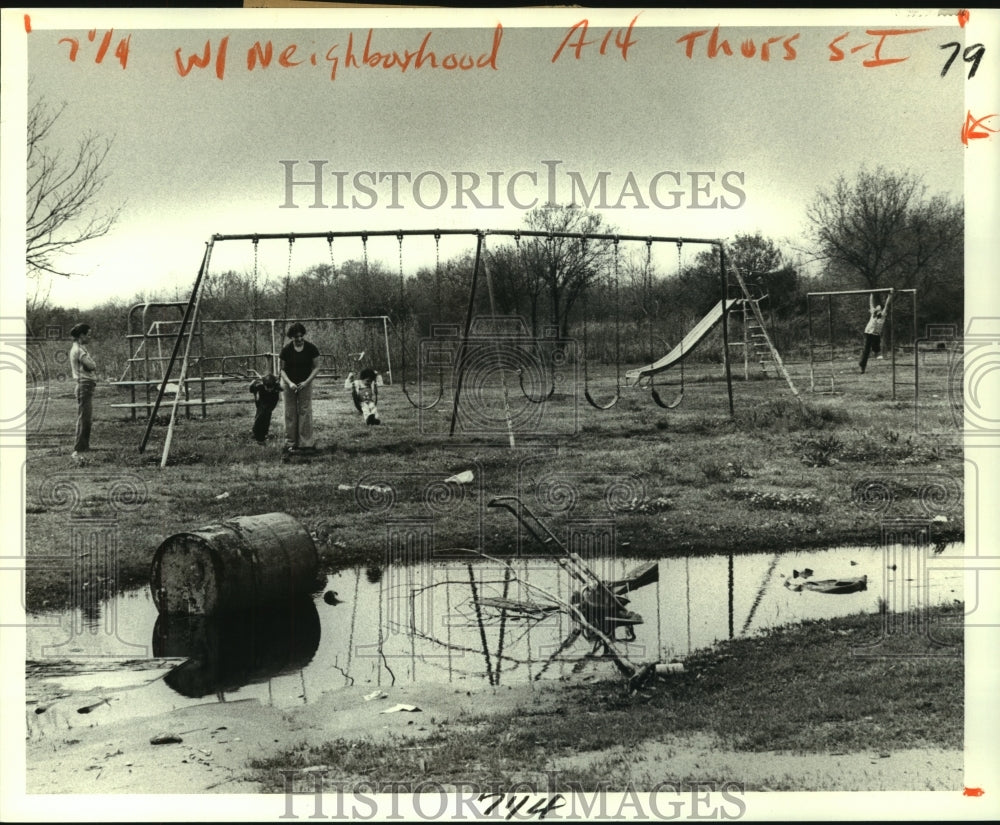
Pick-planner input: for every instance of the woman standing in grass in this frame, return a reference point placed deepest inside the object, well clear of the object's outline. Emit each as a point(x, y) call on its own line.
point(85, 374)
point(299, 367)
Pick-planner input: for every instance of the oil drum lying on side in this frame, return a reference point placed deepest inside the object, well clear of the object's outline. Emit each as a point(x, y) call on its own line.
point(238, 564)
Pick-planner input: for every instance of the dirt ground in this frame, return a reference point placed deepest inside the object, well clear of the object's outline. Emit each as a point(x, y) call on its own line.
point(218, 739)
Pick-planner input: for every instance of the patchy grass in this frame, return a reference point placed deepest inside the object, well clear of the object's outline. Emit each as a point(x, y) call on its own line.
point(840, 685)
point(661, 474)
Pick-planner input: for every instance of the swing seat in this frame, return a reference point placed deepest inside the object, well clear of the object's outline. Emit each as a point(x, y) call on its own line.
point(666, 405)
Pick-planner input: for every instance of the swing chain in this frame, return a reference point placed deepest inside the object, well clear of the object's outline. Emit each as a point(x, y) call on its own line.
point(402, 280)
point(364, 244)
point(288, 272)
point(437, 271)
point(333, 263)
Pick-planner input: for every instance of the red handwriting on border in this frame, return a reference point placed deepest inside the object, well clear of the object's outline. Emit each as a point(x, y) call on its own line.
point(972, 124)
point(963, 17)
point(261, 56)
point(837, 54)
point(27, 23)
point(973, 791)
point(623, 40)
point(121, 51)
point(183, 69)
point(714, 46)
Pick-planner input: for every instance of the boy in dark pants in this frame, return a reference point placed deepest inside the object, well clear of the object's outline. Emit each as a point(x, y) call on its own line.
point(873, 331)
point(266, 392)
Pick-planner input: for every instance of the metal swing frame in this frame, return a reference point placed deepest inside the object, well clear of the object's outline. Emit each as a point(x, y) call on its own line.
point(618, 359)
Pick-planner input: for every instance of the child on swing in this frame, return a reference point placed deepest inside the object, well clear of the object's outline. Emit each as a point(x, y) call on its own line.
point(364, 392)
point(266, 391)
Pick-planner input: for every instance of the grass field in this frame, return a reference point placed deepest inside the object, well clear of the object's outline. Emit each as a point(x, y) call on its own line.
point(780, 473)
point(798, 690)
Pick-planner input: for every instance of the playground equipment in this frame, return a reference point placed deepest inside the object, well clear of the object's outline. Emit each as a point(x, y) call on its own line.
point(822, 354)
point(755, 335)
point(687, 344)
point(618, 343)
point(348, 342)
point(190, 327)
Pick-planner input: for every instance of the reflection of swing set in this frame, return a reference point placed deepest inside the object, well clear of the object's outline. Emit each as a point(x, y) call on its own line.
point(596, 608)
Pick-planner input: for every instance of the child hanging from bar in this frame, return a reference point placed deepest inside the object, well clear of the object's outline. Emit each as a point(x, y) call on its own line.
point(266, 391)
point(364, 392)
point(873, 331)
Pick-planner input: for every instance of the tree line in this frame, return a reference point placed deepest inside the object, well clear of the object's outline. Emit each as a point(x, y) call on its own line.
point(879, 229)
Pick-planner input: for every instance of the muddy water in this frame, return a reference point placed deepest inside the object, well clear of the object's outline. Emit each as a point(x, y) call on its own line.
point(462, 620)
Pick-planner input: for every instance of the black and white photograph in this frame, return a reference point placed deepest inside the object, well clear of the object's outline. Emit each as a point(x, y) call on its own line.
point(572, 413)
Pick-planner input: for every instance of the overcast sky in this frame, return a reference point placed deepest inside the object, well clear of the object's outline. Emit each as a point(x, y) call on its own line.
point(197, 155)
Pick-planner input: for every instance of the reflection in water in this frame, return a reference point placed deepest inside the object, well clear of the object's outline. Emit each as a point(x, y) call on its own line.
point(436, 623)
point(226, 653)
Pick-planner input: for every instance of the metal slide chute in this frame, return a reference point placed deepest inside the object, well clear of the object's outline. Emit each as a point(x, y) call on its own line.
point(689, 342)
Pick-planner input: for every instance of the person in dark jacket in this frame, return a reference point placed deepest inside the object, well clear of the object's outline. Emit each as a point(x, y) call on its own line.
point(266, 391)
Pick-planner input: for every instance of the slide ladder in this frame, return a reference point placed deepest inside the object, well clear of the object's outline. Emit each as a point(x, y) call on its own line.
point(763, 346)
point(757, 348)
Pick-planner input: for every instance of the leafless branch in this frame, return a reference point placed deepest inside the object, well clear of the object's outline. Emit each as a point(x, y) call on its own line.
point(63, 190)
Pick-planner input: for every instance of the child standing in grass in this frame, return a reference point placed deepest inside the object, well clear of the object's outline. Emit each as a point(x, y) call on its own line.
point(364, 392)
point(266, 391)
point(85, 375)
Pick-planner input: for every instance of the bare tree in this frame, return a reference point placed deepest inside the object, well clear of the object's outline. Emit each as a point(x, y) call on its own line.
point(563, 268)
point(62, 192)
point(882, 227)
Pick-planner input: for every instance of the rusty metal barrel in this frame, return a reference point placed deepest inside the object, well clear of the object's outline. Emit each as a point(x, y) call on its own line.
point(243, 563)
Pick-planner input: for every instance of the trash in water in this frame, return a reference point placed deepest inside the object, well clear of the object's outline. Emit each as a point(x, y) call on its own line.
point(89, 708)
point(166, 739)
point(848, 585)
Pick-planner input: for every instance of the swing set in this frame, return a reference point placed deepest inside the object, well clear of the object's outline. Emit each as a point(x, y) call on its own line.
point(190, 328)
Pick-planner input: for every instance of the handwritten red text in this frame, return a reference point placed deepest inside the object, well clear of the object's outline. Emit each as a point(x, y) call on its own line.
point(837, 54)
point(975, 128)
point(623, 40)
point(716, 45)
point(121, 50)
point(262, 55)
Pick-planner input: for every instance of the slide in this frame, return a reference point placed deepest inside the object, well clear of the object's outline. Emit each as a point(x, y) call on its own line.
point(691, 340)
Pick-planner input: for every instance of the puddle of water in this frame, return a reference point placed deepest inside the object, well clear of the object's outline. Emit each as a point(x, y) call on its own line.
point(455, 621)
